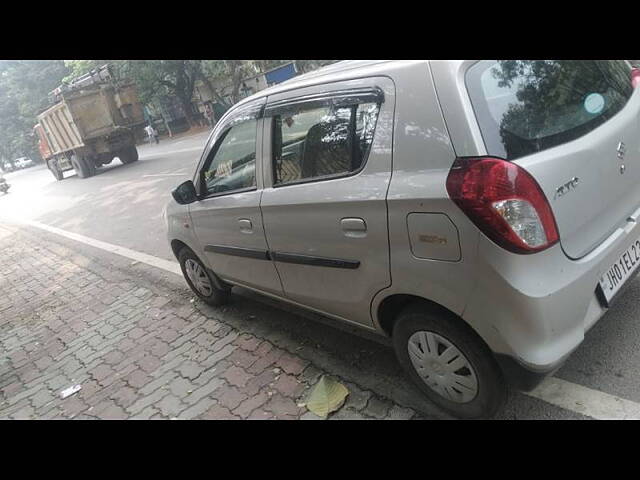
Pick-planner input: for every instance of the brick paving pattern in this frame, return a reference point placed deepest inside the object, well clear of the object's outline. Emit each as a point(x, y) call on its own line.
point(138, 352)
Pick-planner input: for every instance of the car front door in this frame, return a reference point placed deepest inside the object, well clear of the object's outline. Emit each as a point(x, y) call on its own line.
point(327, 169)
point(227, 219)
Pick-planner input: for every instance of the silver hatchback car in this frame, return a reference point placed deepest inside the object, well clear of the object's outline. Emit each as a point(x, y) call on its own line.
point(483, 214)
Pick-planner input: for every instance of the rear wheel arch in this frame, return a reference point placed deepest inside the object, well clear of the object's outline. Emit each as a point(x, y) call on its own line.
point(428, 342)
point(391, 307)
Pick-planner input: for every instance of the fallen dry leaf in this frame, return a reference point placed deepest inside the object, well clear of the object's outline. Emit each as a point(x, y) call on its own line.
point(327, 396)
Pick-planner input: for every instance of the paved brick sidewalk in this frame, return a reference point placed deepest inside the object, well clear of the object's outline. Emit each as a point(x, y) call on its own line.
point(138, 351)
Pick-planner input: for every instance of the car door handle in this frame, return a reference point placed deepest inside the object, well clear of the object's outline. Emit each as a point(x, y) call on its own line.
point(245, 225)
point(354, 227)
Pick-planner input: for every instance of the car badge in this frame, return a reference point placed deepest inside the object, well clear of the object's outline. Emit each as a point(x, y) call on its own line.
point(567, 187)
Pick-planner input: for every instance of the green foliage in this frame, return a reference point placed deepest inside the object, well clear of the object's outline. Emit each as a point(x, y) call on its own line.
point(266, 65)
point(221, 74)
point(164, 77)
point(24, 85)
point(79, 67)
point(305, 66)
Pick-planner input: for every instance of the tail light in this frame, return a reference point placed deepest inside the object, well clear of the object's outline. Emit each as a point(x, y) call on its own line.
point(505, 202)
point(635, 77)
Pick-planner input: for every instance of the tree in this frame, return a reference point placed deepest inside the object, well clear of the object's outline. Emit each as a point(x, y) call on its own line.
point(24, 88)
point(226, 73)
point(304, 66)
point(266, 65)
point(164, 77)
point(25, 85)
point(78, 68)
point(153, 78)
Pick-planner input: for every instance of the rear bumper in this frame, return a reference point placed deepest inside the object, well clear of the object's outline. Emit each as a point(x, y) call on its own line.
point(534, 310)
point(520, 377)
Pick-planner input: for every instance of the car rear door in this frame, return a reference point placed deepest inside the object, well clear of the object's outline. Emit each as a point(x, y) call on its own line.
point(575, 126)
point(328, 156)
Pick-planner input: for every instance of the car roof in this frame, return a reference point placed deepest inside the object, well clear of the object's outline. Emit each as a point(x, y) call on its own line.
point(322, 75)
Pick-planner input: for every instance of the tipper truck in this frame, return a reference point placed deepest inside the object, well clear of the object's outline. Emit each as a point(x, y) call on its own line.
point(94, 120)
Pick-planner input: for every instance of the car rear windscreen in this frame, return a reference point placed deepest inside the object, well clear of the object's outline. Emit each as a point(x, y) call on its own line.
point(525, 106)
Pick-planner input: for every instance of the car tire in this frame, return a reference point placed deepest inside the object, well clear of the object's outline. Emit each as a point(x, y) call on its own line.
point(128, 155)
point(200, 281)
point(475, 389)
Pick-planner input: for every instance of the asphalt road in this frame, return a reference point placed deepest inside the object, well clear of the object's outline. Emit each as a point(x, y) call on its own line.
point(122, 205)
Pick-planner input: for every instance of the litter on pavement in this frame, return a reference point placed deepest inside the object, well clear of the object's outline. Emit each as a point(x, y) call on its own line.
point(70, 391)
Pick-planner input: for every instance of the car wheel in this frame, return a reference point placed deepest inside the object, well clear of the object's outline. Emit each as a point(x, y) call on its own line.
point(449, 363)
point(199, 279)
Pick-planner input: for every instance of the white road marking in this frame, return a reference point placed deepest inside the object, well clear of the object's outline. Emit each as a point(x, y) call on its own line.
point(555, 391)
point(586, 401)
point(167, 265)
point(166, 175)
point(5, 232)
point(170, 152)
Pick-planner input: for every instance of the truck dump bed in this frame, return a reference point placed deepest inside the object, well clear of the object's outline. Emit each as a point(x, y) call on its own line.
point(86, 114)
point(61, 131)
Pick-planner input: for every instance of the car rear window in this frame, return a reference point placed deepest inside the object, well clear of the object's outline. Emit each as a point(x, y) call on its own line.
point(526, 106)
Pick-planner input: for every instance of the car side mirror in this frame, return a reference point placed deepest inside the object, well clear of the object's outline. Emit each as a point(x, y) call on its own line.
point(185, 193)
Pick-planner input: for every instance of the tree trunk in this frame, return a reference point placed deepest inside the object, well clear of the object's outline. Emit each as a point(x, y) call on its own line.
point(236, 78)
point(186, 106)
point(213, 91)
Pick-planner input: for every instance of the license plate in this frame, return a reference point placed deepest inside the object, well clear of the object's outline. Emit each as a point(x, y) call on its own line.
point(616, 276)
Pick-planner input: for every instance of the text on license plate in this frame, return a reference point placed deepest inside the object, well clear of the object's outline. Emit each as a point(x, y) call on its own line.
point(619, 272)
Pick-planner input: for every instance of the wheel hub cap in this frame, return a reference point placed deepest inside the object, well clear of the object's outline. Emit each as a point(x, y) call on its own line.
point(443, 367)
point(198, 277)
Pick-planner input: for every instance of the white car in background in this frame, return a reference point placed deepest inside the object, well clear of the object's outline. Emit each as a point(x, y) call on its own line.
point(23, 162)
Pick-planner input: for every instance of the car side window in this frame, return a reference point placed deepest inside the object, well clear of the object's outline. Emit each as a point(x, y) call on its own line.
point(322, 141)
point(232, 165)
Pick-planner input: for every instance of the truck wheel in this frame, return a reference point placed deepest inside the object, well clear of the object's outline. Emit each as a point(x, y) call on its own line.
point(128, 155)
point(91, 165)
point(84, 167)
point(449, 363)
point(57, 173)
